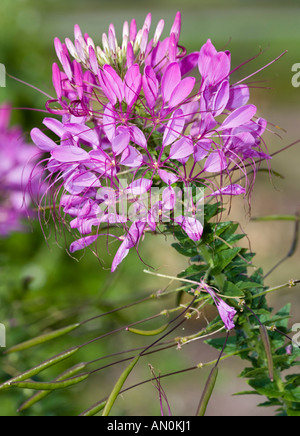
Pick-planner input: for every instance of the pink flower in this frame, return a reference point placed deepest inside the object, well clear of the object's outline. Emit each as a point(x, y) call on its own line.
point(17, 161)
point(135, 109)
point(226, 312)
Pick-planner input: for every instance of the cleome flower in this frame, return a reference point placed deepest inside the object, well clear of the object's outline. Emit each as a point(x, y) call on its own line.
point(142, 116)
point(17, 161)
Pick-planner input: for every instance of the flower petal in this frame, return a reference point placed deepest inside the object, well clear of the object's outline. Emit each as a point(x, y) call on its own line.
point(167, 177)
point(82, 243)
point(215, 162)
point(191, 226)
point(174, 128)
point(133, 84)
point(233, 189)
point(182, 91)
point(239, 117)
point(181, 149)
point(42, 141)
point(70, 154)
point(170, 80)
point(120, 142)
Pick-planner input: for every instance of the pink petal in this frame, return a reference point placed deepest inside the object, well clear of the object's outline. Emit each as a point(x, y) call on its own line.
point(191, 226)
point(82, 243)
point(93, 60)
point(56, 79)
point(239, 117)
point(86, 180)
point(233, 189)
point(213, 65)
point(181, 149)
point(238, 96)
point(176, 28)
point(227, 313)
point(221, 98)
point(139, 187)
point(207, 53)
point(131, 240)
point(172, 52)
point(169, 198)
point(188, 63)
point(55, 125)
point(170, 80)
point(78, 79)
point(120, 142)
point(220, 67)
point(109, 122)
point(215, 162)
point(174, 127)
point(138, 137)
point(131, 157)
point(70, 154)
point(201, 149)
point(83, 132)
point(150, 86)
point(41, 140)
point(133, 84)
point(106, 87)
point(167, 177)
point(182, 91)
point(58, 47)
point(114, 81)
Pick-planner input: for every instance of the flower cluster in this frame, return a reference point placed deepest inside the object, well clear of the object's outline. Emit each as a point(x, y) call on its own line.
point(17, 161)
point(144, 115)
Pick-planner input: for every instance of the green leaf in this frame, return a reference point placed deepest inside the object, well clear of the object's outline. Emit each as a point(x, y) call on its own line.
point(253, 372)
point(189, 252)
point(218, 343)
point(292, 393)
point(265, 387)
point(292, 412)
point(271, 403)
point(232, 290)
point(221, 260)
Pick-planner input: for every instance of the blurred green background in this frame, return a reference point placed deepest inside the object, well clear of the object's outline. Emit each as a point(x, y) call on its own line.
point(41, 287)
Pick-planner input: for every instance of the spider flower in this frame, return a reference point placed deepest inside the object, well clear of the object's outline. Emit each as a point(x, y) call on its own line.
point(17, 160)
point(134, 117)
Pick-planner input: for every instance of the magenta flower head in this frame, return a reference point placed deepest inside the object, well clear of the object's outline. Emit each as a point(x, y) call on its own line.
point(17, 161)
point(133, 120)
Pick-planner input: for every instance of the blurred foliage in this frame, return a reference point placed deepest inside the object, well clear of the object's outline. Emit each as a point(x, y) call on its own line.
point(41, 287)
